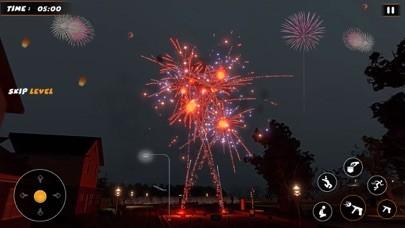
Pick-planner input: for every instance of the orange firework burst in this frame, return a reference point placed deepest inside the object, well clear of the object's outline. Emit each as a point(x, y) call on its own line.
point(203, 98)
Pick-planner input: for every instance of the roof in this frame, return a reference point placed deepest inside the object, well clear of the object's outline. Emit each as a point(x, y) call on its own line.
point(12, 164)
point(14, 103)
point(55, 144)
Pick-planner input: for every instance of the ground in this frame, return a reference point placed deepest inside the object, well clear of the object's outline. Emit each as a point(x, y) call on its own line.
point(156, 217)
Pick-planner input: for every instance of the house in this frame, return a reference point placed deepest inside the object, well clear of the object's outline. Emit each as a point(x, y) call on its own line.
point(75, 159)
point(11, 168)
point(9, 172)
point(8, 103)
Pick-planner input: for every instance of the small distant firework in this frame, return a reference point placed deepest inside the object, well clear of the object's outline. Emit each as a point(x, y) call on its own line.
point(82, 81)
point(75, 30)
point(204, 98)
point(130, 35)
point(364, 6)
point(303, 31)
point(25, 42)
point(173, 141)
point(357, 40)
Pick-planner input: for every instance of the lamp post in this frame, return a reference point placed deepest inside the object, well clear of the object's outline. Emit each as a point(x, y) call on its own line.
point(252, 201)
point(117, 194)
point(146, 156)
point(296, 190)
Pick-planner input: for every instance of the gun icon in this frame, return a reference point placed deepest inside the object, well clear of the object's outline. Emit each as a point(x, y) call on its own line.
point(385, 208)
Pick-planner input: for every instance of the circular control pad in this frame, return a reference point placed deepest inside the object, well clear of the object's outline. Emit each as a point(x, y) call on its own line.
point(40, 195)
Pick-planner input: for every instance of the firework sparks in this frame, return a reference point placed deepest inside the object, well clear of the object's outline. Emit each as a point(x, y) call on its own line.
point(303, 31)
point(357, 40)
point(76, 30)
point(204, 100)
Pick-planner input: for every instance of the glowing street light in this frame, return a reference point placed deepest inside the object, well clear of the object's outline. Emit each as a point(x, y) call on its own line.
point(296, 190)
point(132, 194)
point(146, 156)
point(117, 194)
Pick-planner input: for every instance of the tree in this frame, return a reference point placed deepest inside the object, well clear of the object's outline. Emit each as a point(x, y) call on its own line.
point(387, 154)
point(385, 73)
point(283, 163)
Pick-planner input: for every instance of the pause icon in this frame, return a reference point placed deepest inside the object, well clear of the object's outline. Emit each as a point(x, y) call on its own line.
point(390, 10)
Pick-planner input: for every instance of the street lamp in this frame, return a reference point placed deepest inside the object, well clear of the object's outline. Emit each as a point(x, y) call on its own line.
point(296, 190)
point(146, 156)
point(252, 202)
point(132, 194)
point(117, 194)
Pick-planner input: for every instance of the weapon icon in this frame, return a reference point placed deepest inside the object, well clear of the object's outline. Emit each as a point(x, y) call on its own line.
point(355, 208)
point(388, 209)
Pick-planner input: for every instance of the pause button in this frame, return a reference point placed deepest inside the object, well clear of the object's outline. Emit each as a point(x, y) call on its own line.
point(391, 10)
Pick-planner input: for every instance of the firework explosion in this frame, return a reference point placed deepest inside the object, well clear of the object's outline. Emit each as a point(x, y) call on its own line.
point(303, 31)
point(204, 100)
point(356, 40)
point(76, 30)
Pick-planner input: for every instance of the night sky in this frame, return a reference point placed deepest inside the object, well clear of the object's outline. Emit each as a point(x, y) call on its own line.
point(111, 106)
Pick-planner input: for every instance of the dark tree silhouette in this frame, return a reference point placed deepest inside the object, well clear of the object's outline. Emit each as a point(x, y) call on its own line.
point(283, 163)
point(385, 73)
point(387, 155)
point(389, 151)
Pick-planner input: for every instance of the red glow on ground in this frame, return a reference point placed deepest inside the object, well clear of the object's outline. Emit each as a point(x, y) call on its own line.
point(181, 212)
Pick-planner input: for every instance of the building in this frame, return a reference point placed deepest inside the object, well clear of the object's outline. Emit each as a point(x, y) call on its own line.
point(8, 103)
point(11, 168)
point(9, 172)
point(75, 159)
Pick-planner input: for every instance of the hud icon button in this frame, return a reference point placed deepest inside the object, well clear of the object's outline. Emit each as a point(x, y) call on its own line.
point(377, 185)
point(322, 211)
point(353, 167)
point(353, 208)
point(327, 182)
point(391, 10)
point(387, 209)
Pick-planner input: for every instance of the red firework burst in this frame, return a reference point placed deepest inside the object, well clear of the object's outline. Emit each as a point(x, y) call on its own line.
point(203, 99)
